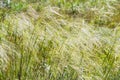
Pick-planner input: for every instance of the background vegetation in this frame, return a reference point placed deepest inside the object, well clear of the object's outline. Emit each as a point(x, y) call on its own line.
point(60, 40)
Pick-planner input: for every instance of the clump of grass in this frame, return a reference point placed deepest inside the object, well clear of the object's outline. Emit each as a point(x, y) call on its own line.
point(58, 46)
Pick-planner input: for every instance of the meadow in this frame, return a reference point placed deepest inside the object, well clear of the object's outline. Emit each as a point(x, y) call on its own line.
point(60, 40)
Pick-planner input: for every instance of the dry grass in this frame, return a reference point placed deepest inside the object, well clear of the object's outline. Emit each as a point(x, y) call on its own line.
point(60, 41)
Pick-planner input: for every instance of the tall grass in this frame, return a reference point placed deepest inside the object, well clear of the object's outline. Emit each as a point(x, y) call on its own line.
point(60, 40)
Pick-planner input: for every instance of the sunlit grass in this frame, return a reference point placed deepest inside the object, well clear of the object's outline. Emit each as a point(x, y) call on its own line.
point(60, 40)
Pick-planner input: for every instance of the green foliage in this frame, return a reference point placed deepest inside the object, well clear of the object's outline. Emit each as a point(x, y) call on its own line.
point(17, 7)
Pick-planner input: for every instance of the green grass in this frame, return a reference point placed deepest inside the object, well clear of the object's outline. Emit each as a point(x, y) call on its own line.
point(60, 40)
